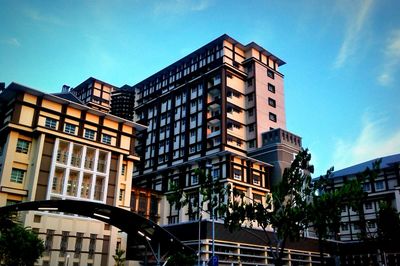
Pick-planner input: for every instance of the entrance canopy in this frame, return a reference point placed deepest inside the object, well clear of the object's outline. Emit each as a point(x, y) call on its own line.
point(142, 233)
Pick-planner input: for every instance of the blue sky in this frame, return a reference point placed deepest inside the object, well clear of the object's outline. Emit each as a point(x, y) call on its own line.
point(342, 74)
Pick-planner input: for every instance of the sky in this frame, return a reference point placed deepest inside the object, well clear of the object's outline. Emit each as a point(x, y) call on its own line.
point(342, 72)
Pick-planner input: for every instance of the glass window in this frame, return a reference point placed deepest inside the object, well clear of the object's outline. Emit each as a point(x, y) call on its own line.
point(195, 179)
point(106, 139)
point(22, 146)
point(271, 88)
point(256, 179)
point(70, 128)
point(271, 102)
point(368, 205)
point(270, 73)
point(90, 134)
point(49, 240)
point(92, 245)
point(121, 195)
point(345, 227)
point(237, 174)
point(379, 185)
point(272, 117)
point(72, 185)
point(98, 188)
point(64, 243)
point(17, 175)
point(50, 123)
point(367, 187)
point(78, 244)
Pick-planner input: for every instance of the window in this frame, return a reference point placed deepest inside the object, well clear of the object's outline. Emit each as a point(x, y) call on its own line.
point(215, 173)
point(195, 179)
point(270, 73)
point(237, 174)
point(92, 245)
point(251, 112)
point(272, 117)
point(70, 128)
point(90, 134)
point(371, 225)
point(367, 187)
point(379, 185)
point(271, 102)
point(64, 243)
point(22, 146)
point(121, 194)
point(271, 88)
point(106, 139)
point(250, 97)
point(256, 179)
point(345, 227)
point(50, 123)
point(251, 128)
point(192, 149)
point(192, 133)
point(17, 175)
point(78, 244)
point(368, 205)
point(123, 170)
point(49, 240)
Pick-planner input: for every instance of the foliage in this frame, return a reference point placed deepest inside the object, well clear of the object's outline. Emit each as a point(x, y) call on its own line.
point(284, 210)
point(119, 260)
point(209, 191)
point(388, 223)
point(18, 245)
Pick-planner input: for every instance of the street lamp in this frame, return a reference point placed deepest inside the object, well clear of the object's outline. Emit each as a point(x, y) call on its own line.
point(208, 167)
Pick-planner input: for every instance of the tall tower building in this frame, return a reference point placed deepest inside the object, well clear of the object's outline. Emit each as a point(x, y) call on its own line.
point(212, 110)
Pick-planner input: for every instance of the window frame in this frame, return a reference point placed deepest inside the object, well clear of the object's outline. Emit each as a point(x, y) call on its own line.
point(50, 123)
point(88, 132)
point(70, 128)
point(271, 88)
point(106, 138)
point(21, 148)
point(17, 178)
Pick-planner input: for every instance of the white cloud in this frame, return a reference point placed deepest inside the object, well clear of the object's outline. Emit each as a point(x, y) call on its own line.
point(181, 6)
point(350, 41)
point(11, 41)
point(373, 141)
point(35, 15)
point(391, 59)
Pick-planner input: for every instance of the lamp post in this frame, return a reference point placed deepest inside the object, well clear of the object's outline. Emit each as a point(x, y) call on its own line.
point(208, 167)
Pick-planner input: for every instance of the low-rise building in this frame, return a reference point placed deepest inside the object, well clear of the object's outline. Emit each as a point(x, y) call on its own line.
point(54, 147)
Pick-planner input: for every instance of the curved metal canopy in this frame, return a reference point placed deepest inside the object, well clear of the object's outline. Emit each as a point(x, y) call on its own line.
point(141, 231)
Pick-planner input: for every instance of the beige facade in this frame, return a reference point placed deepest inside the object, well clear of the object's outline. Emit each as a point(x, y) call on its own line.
point(55, 148)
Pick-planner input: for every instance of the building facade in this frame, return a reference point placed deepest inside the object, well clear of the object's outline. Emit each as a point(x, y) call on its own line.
point(53, 147)
point(384, 188)
point(221, 108)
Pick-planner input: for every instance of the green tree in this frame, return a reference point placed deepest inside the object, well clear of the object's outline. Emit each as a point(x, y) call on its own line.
point(118, 257)
point(324, 210)
point(18, 245)
point(284, 209)
point(388, 223)
point(209, 192)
